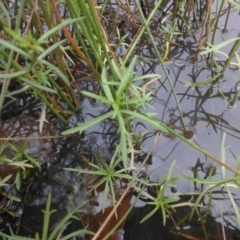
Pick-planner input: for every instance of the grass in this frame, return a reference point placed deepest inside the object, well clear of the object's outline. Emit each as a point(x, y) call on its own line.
point(19, 165)
point(59, 228)
point(43, 62)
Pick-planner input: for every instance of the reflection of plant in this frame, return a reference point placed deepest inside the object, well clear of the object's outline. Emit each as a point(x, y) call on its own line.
point(58, 230)
point(210, 184)
point(125, 100)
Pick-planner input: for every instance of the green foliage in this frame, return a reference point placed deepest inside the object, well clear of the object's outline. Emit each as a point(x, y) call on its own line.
point(21, 161)
point(124, 98)
point(58, 229)
point(126, 102)
point(215, 48)
point(160, 202)
point(3, 182)
point(120, 91)
point(103, 174)
point(37, 76)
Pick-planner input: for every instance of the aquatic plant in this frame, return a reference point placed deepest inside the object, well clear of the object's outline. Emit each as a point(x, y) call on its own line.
point(58, 231)
point(43, 63)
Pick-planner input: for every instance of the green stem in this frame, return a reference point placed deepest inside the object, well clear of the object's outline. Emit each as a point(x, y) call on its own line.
point(231, 54)
point(54, 111)
point(161, 61)
point(162, 127)
point(47, 215)
point(10, 56)
point(17, 67)
point(139, 34)
point(215, 29)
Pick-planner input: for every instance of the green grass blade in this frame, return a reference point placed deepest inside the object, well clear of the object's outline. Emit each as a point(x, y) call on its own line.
point(57, 71)
point(215, 48)
point(14, 48)
point(37, 85)
point(48, 34)
point(13, 74)
point(83, 126)
point(50, 50)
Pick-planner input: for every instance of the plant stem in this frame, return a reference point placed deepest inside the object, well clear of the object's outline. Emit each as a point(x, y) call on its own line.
point(161, 61)
point(6, 82)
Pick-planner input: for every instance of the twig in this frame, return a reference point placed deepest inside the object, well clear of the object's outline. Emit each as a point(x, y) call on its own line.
point(127, 189)
point(73, 42)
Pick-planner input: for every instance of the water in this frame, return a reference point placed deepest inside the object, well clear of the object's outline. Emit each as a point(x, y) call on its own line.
point(205, 113)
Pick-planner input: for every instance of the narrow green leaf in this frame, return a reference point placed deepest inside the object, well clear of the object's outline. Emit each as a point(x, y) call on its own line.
point(148, 120)
point(83, 126)
point(50, 50)
point(105, 86)
point(6, 13)
point(23, 89)
point(13, 74)
point(102, 99)
point(47, 214)
point(146, 77)
point(37, 85)
point(48, 34)
point(91, 172)
point(149, 215)
point(57, 71)
point(42, 118)
point(207, 181)
point(76, 234)
point(237, 5)
point(215, 48)
point(14, 48)
point(66, 219)
point(3, 182)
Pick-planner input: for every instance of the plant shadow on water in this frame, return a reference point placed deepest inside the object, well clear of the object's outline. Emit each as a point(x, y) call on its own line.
point(208, 111)
point(66, 188)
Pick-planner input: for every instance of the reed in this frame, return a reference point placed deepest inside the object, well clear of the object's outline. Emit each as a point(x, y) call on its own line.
point(41, 55)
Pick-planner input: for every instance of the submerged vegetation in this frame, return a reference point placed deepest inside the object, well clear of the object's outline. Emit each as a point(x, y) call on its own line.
point(60, 53)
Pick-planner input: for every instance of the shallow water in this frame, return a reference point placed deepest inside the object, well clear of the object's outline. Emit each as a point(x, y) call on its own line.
point(206, 114)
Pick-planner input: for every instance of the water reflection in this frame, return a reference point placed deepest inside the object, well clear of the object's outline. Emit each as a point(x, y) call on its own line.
point(204, 109)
